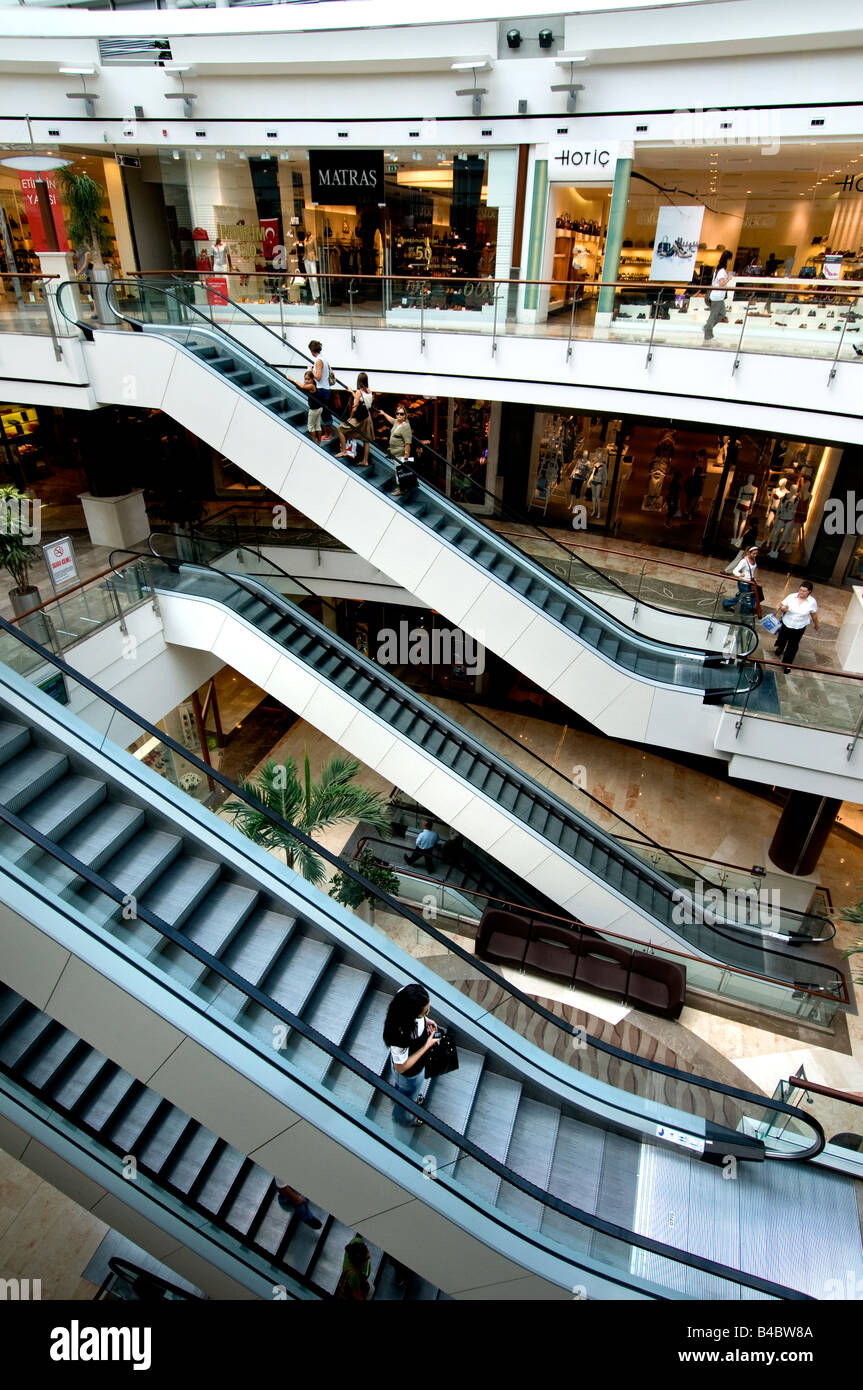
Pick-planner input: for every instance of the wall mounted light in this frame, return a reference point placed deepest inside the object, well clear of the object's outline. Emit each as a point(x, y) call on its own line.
point(187, 98)
point(176, 154)
point(546, 38)
point(476, 93)
point(513, 38)
point(88, 98)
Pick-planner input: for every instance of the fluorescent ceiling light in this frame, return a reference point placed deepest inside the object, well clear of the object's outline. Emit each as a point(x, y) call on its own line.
point(177, 67)
point(79, 72)
point(471, 65)
point(563, 59)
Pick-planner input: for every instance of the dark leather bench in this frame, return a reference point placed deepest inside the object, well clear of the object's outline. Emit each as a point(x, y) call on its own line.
point(578, 958)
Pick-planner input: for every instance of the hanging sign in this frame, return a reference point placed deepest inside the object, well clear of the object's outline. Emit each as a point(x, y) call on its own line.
point(675, 247)
point(344, 178)
point(61, 562)
point(34, 212)
point(572, 162)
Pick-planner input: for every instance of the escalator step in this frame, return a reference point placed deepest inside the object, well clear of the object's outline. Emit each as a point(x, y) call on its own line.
point(591, 633)
point(522, 583)
point(434, 741)
point(484, 556)
point(556, 609)
point(609, 646)
point(538, 595)
point(503, 570)
point(538, 818)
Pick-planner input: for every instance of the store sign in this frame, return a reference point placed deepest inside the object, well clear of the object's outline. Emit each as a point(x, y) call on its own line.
point(675, 245)
point(61, 562)
point(347, 177)
point(575, 163)
point(852, 183)
point(34, 211)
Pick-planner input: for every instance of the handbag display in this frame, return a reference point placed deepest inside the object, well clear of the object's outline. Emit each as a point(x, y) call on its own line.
point(200, 235)
point(443, 1058)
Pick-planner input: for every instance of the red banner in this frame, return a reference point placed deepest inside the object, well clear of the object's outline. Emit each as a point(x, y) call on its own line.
point(34, 212)
point(217, 290)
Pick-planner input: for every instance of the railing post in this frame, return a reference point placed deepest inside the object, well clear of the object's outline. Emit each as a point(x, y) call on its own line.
point(282, 316)
point(422, 317)
point(849, 747)
point(737, 726)
point(575, 298)
point(715, 604)
point(740, 339)
point(638, 594)
point(654, 317)
point(109, 585)
point(494, 325)
point(845, 323)
point(351, 312)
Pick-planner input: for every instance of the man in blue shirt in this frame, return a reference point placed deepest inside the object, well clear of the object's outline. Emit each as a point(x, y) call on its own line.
point(426, 841)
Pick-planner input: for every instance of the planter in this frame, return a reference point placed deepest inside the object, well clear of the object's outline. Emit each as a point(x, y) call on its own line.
point(22, 600)
point(119, 522)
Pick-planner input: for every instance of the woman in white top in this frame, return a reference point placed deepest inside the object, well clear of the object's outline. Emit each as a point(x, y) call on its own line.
point(321, 373)
point(409, 1033)
point(746, 573)
point(796, 611)
point(221, 256)
point(721, 277)
point(359, 424)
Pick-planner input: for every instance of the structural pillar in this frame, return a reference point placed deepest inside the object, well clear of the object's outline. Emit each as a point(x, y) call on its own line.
point(802, 831)
point(614, 233)
point(539, 207)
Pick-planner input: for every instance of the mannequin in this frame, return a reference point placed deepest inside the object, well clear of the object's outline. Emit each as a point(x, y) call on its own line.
point(310, 256)
point(742, 507)
point(581, 471)
point(653, 500)
point(598, 480)
point(786, 522)
point(776, 499)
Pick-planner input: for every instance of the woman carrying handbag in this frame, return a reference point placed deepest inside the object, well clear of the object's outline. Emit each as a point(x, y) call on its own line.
point(359, 423)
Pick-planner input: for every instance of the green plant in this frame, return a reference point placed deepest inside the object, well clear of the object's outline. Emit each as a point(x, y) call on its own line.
point(347, 891)
point(311, 806)
point(84, 224)
point(15, 556)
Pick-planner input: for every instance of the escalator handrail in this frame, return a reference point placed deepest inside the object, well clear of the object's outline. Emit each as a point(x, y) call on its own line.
point(640, 837)
point(656, 879)
point(681, 650)
point(400, 910)
point(338, 1054)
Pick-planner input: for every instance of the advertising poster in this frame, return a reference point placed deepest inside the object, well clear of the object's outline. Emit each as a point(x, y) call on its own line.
point(678, 231)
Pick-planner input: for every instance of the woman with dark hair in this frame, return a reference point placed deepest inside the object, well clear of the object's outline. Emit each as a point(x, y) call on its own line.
point(409, 1033)
point(359, 424)
point(721, 277)
point(797, 611)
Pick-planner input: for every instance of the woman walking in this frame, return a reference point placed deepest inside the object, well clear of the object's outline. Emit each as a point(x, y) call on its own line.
point(359, 423)
point(409, 1033)
point(796, 611)
point(323, 375)
point(746, 574)
point(721, 278)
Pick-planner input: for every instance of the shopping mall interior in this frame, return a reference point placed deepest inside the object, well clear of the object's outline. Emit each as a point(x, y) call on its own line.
point(432, 563)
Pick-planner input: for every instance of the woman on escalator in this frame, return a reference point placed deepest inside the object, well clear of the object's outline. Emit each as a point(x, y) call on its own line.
point(409, 1033)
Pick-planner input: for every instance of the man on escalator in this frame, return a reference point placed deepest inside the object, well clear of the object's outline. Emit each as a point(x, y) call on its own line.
point(426, 841)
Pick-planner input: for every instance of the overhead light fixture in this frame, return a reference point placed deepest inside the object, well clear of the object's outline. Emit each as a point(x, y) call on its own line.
point(177, 67)
point(38, 161)
point(176, 154)
point(88, 98)
point(417, 154)
point(564, 58)
point(513, 38)
point(241, 154)
point(471, 65)
point(476, 93)
point(220, 154)
point(88, 71)
point(546, 38)
point(441, 157)
point(187, 98)
point(198, 154)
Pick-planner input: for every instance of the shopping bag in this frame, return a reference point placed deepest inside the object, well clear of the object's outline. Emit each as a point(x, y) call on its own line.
point(771, 623)
point(443, 1057)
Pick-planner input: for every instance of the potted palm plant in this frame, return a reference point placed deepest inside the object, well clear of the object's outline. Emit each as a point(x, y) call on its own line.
point(334, 799)
point(16, 548)
point(85, 198)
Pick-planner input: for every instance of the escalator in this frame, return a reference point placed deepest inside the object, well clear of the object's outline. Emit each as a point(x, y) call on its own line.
point(547, 1175)
point(586, 870)
point(179, 1157)
point(646, 682)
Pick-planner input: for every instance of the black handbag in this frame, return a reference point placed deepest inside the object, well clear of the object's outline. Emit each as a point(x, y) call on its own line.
point(443, 1057)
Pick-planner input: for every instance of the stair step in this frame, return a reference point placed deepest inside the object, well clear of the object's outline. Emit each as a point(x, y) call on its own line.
point(218, 1182)
point(42, 1069)
point(29, 774)
point(75, 1080)
point(331, 1012)
point(365, 1042)
point(212, 926)
point(14, 738)
point(575, 1175)
point(98, 1104)
point(531, 1151)
point(171, 1131)
point(451, 1099)
point(94, 841)
point(248, 1199)
point(326, 1267)
point(23, 1037)
point(56, 812)
point(490, 1128)
point(133, 870)
point(195, 1150)
point(128, 1129)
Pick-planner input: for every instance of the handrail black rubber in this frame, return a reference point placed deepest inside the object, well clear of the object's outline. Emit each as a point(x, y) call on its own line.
point(393, 905)
point(633, 862)
point(691, 653)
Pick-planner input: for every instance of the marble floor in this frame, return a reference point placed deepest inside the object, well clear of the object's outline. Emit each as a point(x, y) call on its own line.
point(44, 1234)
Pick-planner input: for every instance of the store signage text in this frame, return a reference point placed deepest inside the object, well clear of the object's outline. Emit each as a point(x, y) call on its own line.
point(851, 183)
point(568, 163)
point(345, 177)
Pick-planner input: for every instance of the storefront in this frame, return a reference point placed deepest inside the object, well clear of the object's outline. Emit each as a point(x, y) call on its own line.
point(678, 486)
point(22, 235)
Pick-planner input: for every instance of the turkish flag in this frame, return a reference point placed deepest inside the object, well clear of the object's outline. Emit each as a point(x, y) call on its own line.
point(269, 236)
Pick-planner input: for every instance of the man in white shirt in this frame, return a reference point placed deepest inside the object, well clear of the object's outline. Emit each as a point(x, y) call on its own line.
point(796, 611)
point(426, 841)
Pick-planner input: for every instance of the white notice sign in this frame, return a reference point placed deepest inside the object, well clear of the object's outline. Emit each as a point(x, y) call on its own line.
point(675, 1136)
point(571, 162)
point(61, 562)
